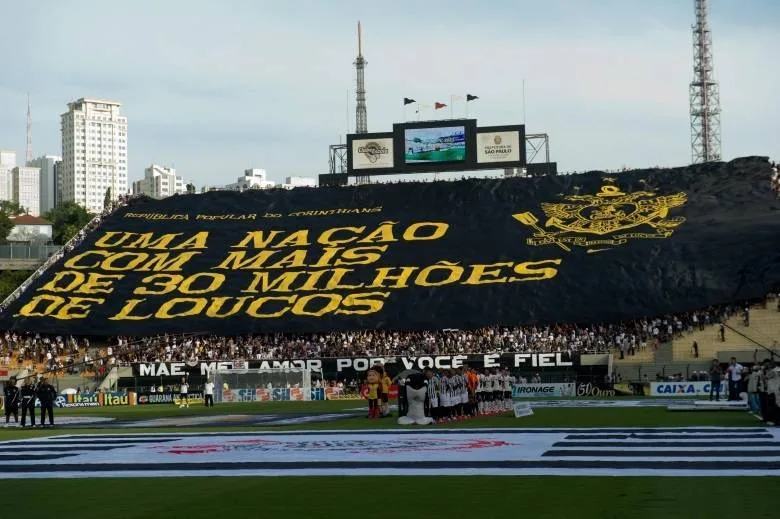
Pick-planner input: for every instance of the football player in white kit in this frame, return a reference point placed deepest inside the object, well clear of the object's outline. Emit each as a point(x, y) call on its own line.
point(445, 396)
point(433, 394)
point(509, 382)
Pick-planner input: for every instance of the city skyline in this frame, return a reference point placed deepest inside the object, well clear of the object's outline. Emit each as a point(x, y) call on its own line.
point(609, 83)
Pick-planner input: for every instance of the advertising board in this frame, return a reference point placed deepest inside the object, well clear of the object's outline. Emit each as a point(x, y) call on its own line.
point(543, 390)
point(372, 153)
point(683, 389)
point(498, 147)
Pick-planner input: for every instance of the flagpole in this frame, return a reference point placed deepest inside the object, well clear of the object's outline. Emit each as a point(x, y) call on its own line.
point(523, 101)
point(452, 100)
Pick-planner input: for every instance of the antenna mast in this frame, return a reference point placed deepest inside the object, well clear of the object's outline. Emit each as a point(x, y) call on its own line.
point(361, 115)
point(29, 153)
point(704, 93)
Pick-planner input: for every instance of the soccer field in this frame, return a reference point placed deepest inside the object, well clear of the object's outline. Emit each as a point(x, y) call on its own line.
point(194, 447)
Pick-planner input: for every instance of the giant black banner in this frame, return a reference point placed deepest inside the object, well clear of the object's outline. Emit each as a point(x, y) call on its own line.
point(352, 367)
point(585, 248)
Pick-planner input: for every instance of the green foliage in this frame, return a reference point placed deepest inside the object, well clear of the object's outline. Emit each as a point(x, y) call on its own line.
point(10, 281)
point(67, 219)
point(107, 199)
point(6, 225)
point(11, 208)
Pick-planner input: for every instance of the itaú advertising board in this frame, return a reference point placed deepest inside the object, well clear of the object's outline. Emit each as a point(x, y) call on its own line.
point(541, 390)
point(701, 388)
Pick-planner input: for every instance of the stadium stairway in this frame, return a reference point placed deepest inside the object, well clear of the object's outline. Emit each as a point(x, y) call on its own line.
point(764, 328)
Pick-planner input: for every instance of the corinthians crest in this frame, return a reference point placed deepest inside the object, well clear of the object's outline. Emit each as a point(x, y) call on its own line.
point(604, 220)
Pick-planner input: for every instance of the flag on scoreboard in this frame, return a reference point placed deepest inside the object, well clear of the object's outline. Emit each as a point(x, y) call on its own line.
point(470, 97)
point(408, 101)
point(439, 105)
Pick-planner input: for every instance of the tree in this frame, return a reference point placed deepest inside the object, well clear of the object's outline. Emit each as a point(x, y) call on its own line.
point(6, 225)
point(67, 219)
point(11, 208)
point(107, 200)
point(10, 281)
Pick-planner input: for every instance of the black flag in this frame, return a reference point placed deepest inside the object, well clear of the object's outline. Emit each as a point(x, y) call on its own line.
point(408, 101)
point(470, 97)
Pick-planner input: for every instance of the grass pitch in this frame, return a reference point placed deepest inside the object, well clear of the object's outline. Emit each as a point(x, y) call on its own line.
point(386, 497)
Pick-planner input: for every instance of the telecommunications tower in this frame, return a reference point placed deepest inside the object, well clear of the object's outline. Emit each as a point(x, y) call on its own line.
point(361, 115)
point(704, 93)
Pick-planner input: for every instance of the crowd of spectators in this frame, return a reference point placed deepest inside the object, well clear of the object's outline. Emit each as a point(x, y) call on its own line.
point(72, 354)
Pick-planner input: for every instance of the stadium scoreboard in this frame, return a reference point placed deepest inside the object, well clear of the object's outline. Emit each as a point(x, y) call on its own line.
point(436, 146)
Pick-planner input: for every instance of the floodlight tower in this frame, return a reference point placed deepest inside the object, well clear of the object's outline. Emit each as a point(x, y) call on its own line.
point(361, 115)
point(704, 93)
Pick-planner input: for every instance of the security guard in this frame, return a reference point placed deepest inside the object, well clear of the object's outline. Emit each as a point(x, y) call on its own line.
point(28, 401)
point(46, 394)
point(11, 394)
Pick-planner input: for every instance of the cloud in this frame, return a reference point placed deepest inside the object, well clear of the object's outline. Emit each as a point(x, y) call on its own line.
point(218, 87)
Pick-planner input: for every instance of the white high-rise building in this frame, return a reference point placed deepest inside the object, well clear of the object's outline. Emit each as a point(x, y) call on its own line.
point(26, 184)
point(292, 182)
point(7, 164)
point(46, 164)
point(159, 182)
point(253, 179)
point(94, 153)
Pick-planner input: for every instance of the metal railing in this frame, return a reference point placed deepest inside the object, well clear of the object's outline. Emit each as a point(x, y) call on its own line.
point(28, 251)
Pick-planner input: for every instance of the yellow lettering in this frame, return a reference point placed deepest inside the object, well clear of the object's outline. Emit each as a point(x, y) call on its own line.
point(296, 239)
point(105, 240)
point(51, 304)
point(76, 278)
point(68, 310)
point(295, 259)
point(362, 255)
point(481, 276)
point(452, 270)
point(237, 260)
point(400, 280)
point(167, 283)
point(99, 283)
point(282, 283)
point(197, 241)
point(258, 239)
point(327, 256)
point(536, 274)
point(326, 238)
point(218, 302)
point(435, 230)
point(73, 263)
point(254, 308)
point(167, 309)
point(161, 262)
point(148, 241)
point(383, 234)
point(334, 283)
point(125, 314)
point(363, 304)
point(331, 304)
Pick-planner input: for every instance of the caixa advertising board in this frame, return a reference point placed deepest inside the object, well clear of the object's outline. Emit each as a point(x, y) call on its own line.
point(683, 389)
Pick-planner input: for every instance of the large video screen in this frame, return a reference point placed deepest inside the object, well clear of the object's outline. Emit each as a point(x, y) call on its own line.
point(433, 145)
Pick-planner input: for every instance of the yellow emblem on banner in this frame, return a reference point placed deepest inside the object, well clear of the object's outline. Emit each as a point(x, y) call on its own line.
point(605, 220)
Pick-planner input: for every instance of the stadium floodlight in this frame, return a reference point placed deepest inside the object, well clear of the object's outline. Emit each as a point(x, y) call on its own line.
point(255, 385)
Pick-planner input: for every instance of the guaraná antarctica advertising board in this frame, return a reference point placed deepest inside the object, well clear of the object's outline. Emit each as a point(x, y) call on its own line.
point(464, 254)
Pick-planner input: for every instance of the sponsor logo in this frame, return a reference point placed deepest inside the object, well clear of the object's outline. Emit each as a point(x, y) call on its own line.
point(355, 446)
point(684, 388)
point(608, 219)
point(591, 390)
point(373, 151)
point(536, 389)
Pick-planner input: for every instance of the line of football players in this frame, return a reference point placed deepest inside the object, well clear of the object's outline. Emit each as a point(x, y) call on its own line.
point(461, 393)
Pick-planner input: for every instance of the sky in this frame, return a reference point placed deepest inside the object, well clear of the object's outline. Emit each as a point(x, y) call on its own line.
point(216, 87)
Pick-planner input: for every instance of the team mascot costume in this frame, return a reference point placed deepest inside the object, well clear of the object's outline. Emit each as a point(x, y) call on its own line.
point(373, 384)
point(416, 389)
